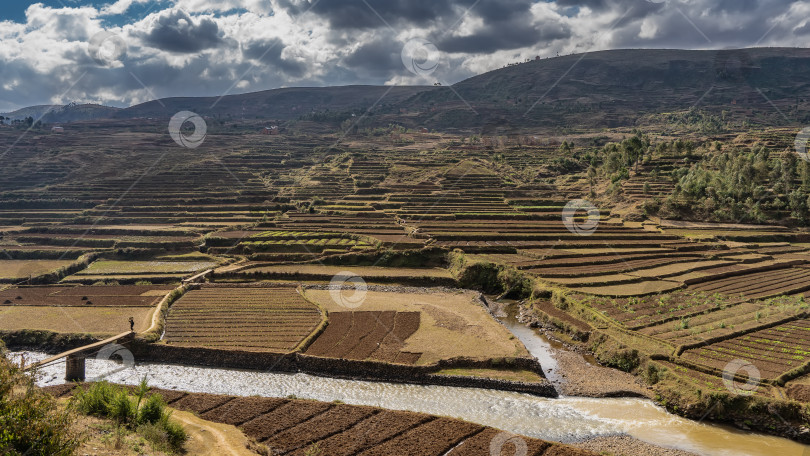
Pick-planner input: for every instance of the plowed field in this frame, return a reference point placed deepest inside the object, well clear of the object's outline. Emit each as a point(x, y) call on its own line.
point(368, 335)
point(256, 319)
point(772, 351)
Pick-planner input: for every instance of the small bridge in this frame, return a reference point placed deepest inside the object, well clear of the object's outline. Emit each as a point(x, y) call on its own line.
point(74, 362)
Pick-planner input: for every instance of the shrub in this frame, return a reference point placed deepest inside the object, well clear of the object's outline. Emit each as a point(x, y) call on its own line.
point(31, 421)
point(122, 408)
point(96, 400)
point(150, 419)
point(175, 434)
point(626, 360)
point(152, 409)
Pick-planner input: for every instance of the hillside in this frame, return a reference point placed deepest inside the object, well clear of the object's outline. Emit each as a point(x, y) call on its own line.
point(287, 103)
point(619, 87)
point(605, 89)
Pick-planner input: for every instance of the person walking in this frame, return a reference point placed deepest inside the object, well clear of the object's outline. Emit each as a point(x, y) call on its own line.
point(131, 324)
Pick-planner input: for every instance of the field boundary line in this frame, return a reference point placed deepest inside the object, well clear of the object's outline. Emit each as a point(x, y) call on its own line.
point(612, 324)
point(307, 341)
point(152, 334)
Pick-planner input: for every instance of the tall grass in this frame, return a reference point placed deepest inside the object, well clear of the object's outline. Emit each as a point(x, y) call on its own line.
point(146, 415)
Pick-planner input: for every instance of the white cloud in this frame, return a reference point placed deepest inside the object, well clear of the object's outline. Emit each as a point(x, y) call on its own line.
point(41, 59)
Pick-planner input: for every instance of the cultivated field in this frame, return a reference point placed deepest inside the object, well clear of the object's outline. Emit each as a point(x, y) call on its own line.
point(98, 310)
point(255, 319)
point(96, 320)
point(378, 336)
point(20, 270)
point(450, 324)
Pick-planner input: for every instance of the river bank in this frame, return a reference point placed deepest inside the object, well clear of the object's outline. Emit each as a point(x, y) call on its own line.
point(565, 419)
point(579, 374)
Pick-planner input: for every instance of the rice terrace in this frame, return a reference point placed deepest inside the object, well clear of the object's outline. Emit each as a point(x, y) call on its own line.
point(517, 231)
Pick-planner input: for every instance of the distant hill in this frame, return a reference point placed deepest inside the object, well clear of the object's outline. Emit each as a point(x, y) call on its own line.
point(618, 87)
point(599, 89)
point(288, 103)
point(72, 112)
point(31, 111)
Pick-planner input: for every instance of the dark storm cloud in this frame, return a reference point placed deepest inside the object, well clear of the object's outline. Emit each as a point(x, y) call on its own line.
point(356, 14)
point(176, 31)
point(379, 58)
point(496, 38)
point(268, 53)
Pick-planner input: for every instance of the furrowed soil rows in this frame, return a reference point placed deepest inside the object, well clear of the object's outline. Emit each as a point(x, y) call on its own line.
point(773, 351)
point(369, 432)
point(367, 335)
point(435, 437)
point(243, 409)
point(283, 418)
point(329, 423)
point(480, 444)
point(201, 403)
point(257, 319)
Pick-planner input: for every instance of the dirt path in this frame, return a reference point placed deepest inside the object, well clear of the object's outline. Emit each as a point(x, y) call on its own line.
point(212, 439)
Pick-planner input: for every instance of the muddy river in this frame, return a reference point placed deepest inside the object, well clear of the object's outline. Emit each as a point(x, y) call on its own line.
point(563, 419)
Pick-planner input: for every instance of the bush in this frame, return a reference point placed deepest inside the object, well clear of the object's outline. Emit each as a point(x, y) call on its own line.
point(122, 408)
point(96, 400)
point(150, 418)
point(31, 421)
point(152, 409)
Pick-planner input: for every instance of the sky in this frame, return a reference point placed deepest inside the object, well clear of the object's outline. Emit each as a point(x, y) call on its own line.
point(125, 52)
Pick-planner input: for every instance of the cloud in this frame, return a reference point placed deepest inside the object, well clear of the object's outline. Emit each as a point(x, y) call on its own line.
point(176, 31)
point(207, 47)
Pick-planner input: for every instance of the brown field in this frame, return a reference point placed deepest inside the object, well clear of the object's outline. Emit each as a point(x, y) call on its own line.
point(71, 319)
point(452, 324)
point(258, 319)
point(84, 296)
point(11, 270)
point(378, 336)
point(774, 351)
